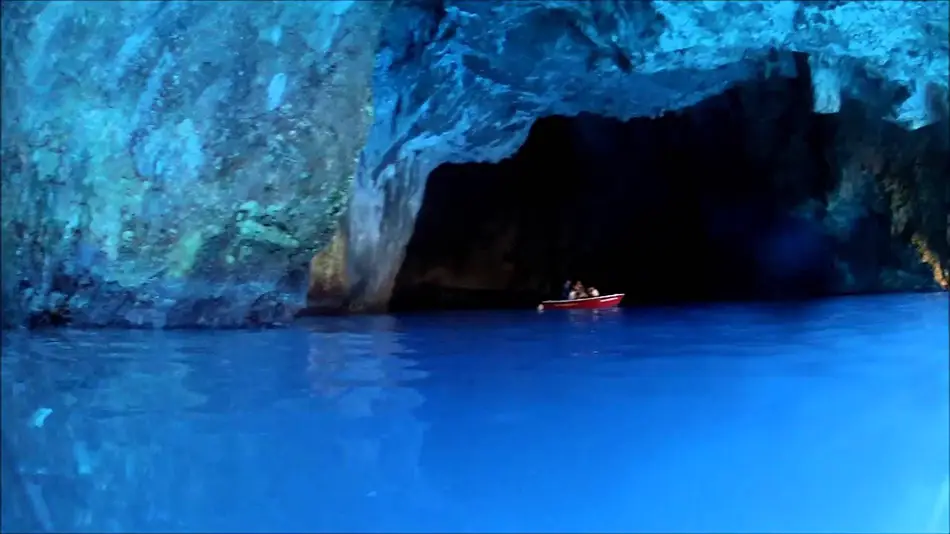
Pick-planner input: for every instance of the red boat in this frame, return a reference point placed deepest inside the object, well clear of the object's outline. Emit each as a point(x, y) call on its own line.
point(590, 303)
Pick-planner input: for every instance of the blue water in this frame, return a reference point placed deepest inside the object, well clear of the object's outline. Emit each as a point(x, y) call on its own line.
point(831, 418)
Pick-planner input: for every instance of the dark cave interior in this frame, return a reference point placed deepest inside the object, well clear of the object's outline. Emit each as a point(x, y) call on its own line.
point(696, 206)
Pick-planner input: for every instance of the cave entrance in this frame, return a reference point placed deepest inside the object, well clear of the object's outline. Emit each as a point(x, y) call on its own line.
point(699, 205)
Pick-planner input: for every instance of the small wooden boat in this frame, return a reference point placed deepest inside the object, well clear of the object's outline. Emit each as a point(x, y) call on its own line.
point(590, 303)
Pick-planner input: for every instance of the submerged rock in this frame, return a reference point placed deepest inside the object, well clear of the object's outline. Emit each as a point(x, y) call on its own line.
point(179, 164)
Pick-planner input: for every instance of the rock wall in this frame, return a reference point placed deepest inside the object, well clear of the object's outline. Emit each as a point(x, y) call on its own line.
point(463, 82)
point(178, 164)
point(891, 196)
point(747, 195)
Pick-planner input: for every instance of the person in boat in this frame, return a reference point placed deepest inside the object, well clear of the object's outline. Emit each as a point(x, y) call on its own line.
point(578, 291)
point(566, 290)
point(592, 291)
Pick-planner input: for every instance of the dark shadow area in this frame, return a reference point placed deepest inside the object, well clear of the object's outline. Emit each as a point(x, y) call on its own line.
point(709, 204)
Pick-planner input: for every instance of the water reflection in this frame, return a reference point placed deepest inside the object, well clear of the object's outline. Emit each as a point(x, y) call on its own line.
point(233, 431)
point(653, 420)
point(361, 366)
point(362, 370)
point(726, 418)
point(584, 317)
point(75, 405)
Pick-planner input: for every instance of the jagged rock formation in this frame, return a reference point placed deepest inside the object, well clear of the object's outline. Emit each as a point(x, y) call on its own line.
point(892, 186)
point(744, 196)
point(463, 82)
point(176, 163)
point(141, 199)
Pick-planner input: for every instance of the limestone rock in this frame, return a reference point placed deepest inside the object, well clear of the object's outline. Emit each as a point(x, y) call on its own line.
point(462, 81)
point(177, 163)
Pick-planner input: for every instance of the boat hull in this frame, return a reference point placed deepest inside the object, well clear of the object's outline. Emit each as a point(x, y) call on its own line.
point(591, 303)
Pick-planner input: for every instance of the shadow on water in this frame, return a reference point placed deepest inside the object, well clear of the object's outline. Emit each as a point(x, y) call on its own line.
point(720, 418)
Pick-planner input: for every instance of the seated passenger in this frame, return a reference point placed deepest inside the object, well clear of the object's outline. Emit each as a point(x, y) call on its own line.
point(566, 291)
point(592, 291)
point(578, 292)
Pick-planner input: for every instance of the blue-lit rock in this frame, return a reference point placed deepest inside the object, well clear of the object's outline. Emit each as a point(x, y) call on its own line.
point(464, 81)
point(178, 163)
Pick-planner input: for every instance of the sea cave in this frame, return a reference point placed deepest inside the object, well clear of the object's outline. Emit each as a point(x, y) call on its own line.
point(235, 239)
point(722, 201)
point(334, 157)
point(697, 205)
point(774, 183)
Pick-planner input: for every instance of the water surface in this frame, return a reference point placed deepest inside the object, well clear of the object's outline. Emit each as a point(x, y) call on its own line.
point(830, 418)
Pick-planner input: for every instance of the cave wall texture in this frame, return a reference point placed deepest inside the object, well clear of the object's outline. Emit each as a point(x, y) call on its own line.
point(740, 197)
point(179, 164)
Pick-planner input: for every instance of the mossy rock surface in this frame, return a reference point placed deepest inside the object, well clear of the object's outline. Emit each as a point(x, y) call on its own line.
point(188, 179)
